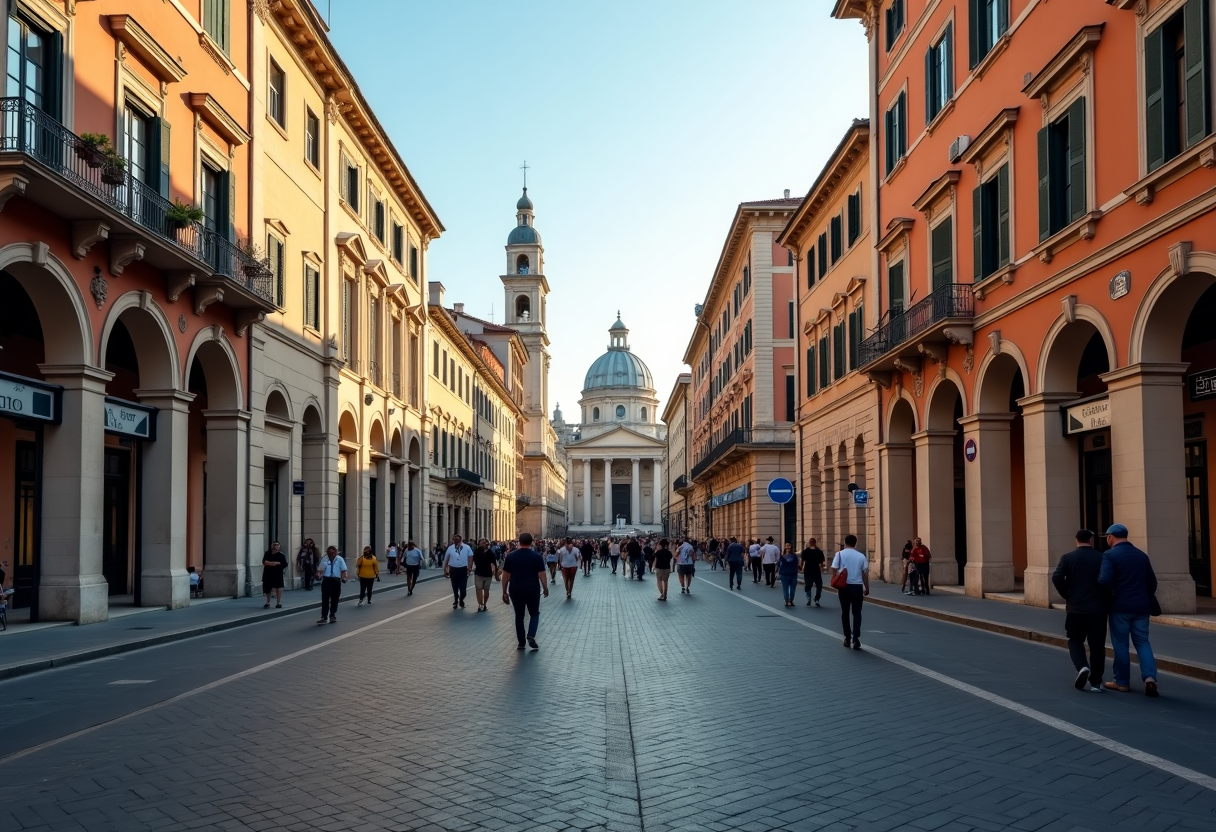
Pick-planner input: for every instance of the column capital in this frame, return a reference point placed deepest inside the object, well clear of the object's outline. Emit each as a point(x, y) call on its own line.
point(933, 437)
point(987, 421)
point(1142, 374)
point(1040, 402)
point(86, 376)
point(635, 459)
point(166, 399)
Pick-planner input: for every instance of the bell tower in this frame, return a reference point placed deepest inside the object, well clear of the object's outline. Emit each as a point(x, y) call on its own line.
point(525, 291)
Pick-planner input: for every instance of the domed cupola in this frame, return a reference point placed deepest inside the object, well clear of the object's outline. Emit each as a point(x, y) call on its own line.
point(618, 367)
point(524, 234)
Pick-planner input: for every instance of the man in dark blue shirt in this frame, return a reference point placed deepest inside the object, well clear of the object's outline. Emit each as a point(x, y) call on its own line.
point(524, 579)
point(1128, 574)
point(734, 562)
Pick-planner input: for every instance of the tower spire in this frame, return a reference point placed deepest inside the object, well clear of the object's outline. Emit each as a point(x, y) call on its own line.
point(524, 168)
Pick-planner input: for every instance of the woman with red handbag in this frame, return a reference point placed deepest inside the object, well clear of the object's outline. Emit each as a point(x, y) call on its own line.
point(851, 580)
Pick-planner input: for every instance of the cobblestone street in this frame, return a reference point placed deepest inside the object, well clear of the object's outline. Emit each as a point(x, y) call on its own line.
point(712, 711)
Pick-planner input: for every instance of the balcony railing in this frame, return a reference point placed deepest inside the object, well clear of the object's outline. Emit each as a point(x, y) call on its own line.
point(953, 300)
point(464, 475)
point(738, 436)
point(681, 483)
point(28, 130)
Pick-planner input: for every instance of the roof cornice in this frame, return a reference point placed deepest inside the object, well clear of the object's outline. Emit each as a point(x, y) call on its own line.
point(851, 150)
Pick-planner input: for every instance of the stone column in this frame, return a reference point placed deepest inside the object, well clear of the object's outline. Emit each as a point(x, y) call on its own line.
point(635, 493)
point(935, 501)
point(1053, 493)
point(227, 506)
point(1149, 472)
point(586, 492)
point(656, 492)
point(70, 582)
point(897, 505)
point(989, 513)
point(608, 518)
point(163, 578)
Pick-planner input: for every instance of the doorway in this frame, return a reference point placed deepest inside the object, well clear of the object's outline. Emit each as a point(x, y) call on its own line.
point(25, 565)
point(621, 504)
point(271, 496)
point(1097, 486)
point(1198, 547)
point(116, 525)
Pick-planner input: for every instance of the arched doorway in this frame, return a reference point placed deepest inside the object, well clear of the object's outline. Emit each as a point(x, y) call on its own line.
point(397, 487)
point(314, 470)
point(278, 450)
point(377, 481)
point(861, 514)
point(348, 479)
point(941, 484)
point(415, 466)
point(897, 461)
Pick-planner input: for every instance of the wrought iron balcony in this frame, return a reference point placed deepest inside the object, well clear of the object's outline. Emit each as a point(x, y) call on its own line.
point(463, 476)
point(731, 442)
point(682, 483)
point(102, 200)
point(927, 320)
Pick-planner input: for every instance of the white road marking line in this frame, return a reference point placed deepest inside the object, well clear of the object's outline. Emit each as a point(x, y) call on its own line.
point(25, 752)
point(1196, 777)
point(132, 681)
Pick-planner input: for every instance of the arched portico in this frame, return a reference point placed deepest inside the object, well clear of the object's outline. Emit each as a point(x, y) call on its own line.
point(897, 472)
point(940, 503)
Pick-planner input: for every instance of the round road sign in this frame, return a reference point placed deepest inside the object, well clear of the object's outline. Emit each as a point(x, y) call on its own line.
point(781, 490)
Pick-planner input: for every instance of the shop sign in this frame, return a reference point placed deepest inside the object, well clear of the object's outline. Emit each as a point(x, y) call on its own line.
point(1202, 385)
point(23, 398)
point(732, 496)
point(297, 488)
point(1087, 416)
point(1120, 284)
point(129, 419)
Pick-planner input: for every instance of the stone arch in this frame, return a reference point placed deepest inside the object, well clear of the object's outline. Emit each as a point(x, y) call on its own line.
point(941, 399)
point(1063, 346)
point(522, 264)
point(997, 371)
point(152, 335)
point(376, 436)
point(1157, 329)
point(278, 401)
point(212, 349)
point(523, 306)
point(415, 452)
point(57, 300)
point(348, 426)
point(901, 418)
point(314, 426)
point(395, 446)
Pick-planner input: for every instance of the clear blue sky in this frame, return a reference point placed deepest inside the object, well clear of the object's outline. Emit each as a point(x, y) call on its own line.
point(644, 123)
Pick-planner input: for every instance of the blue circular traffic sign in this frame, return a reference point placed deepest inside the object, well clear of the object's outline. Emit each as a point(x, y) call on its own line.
point(781, 490)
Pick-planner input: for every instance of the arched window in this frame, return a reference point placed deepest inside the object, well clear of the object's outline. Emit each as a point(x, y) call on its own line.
point(522, 264)
point(620, 411)
point(643, 414)
point(595, 414)
point(522, 308)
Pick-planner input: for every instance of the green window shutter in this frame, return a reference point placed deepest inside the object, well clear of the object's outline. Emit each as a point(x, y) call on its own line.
point(947, 46)
point(162, 179)
point(975, 25)
point(810, 267)
point(854, 337)
point(1044, 184)
point(823, 254)
point(1195, 25)
point(1002, 16)
point(838, 349)
point(1154, 100)
point(943, 254)
point(888, 130)
point(1076, 159)
point(977, 230)
point(1003, 242)
point(810, 371)
point(825, 370)
point(310, 297)
point(901, 114)
point(930, 82)
point(895, 287)
point(231, 177)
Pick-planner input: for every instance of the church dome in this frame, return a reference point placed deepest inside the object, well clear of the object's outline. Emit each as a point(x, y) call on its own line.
point(523, 235)
point(618, 367)
point(524, 204)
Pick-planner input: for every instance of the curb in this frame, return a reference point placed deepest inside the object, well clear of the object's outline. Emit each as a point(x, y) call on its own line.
point(26, 668)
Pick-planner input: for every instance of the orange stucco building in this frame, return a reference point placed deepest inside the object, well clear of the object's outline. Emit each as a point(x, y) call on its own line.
point(1045, 282)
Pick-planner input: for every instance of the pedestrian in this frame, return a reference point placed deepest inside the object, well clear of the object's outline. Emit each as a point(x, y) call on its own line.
point(588, 554)
point(813, 563)
point(1076, 579)
point(390, 557)
point(769, 554)
point(633, 551)
point(711, 554)
point(920, 559)
point(753, 559)
point(648, 554)
point(274, 564)
point(604, 554)
point(662, 568)
point(614, 555)
point(456, 561)
point(332, 572)
point(368, 570)
point(787, 569)
point(734, 563)
point(413, 565)
point(551, 562)
point(306, 562)
point(485, 567)
point(905, 562)
point(686, 560)
point(523, 583)
point(568, 558)
point(1128, 574)
point(856, 569)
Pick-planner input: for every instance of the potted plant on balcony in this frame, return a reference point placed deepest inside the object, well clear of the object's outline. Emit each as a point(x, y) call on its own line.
point(92, 148)
point(183, 215)
point(114, 168)
point(256, 260)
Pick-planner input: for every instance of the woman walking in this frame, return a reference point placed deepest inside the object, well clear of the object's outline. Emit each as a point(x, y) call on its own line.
point(274, 564)
point(662, 568)
point(368, 570)
point(787, 570)
point(551, 563)
point(306, 562)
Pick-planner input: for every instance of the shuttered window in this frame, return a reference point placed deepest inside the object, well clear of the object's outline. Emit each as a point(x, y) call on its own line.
point(895, 128)
point(856, 335)
point(823, 254)
point(990, 207)
point(854, 213)
point(942, 243)
point(216, 14)
point(811, 368)
point(1177, 104)
point(825, 369)
point(810, 267)
point(895, 287)
point(989, 20)
point(837, 229)
point(839, 349)
point(312, 292)
point(791, 394)
point(1062, 171)
point(894, 19)
point(347, 324)
point(275, 251)
point(939, 74)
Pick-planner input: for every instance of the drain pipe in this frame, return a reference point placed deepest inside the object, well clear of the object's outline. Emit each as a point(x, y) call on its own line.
point(249, 68)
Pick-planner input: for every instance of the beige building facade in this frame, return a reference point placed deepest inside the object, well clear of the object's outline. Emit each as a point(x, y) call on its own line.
point(677, 485)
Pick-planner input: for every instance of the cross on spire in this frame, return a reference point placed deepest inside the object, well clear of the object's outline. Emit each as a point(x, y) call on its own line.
point(524, 168)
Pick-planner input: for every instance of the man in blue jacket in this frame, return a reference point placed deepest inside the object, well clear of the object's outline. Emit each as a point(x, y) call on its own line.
point(1128, 574)
point(1076, 579)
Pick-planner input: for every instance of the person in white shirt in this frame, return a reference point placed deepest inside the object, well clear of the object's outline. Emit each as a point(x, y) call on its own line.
point(567, 558)
point(456, 562)
point(411, 559)
point(686, 557)
point(332, 572)
point(753, 559)
point(856, 567)
point(769, 554)
point(391, 554)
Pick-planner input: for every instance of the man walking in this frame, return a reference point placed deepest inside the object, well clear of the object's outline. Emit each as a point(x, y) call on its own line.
point(523, 582)
point(588, 553)
point(568, 558)
point(769, 555)
point(633, 551)
point(332, 572)
point(813, 561)
point(485, 566)
point(413, 565)
point(686, 558)
point(921, 557)
point(1076, 579)
point(456, 561)
point(753, 559)
point(1128, 574)
point(734, 564)
point(306, 562)
point(856, 567)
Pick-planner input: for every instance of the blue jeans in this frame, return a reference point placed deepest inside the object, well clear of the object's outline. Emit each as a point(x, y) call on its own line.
point(789, 585)
point(1121, 625)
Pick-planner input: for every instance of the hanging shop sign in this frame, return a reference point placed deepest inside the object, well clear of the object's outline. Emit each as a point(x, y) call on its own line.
point(24, 398)
point(732, 496)
point(1082, 417)
point(1202, 385)
point(129, 419)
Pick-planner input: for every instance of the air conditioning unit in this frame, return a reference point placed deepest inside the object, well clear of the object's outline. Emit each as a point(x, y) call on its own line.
point(958, 147)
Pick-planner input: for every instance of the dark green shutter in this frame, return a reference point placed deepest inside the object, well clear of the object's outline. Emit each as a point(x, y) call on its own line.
point(230, 211)
point(895, 287)
point(977, 231)
point(810, 267)
point(942, 240)
point(1154, 101)
point(1002, 16)
point(162, 181)
point(975, 25)
point(854, 337)
point(947, 45)
point(810, 371)
point(825, 369)
point(888, 130)
point(310, 297)
point(1076, 160)
point(902, 134)
point(1002, 202)
point(838, 349)
point(1044, 184)
point(1195, 24)
point(930, 82)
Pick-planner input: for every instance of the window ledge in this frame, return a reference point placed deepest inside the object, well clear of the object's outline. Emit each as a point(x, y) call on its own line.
point(1001, 277)
point(1083, 229)
point(900, 165)
point(1202, 155)
point(353, 213)
point(988, 60)
point(275, 124)
point(315, 170)
point(946, 110)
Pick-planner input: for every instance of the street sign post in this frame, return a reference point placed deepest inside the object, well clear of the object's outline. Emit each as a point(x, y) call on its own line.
point(781, 490)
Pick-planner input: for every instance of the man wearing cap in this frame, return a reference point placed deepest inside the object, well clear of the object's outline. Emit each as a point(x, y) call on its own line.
point(1076, 579)
point(1128, 574)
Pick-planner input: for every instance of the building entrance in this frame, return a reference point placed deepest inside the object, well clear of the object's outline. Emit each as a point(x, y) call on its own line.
point(1198, 546)
point(1097, 486)
point(25, 519)
point(116, 521)
point(620, 504)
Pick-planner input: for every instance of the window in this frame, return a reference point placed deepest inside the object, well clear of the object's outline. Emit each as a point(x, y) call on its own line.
point(312, 138)
point(274, 252)
point(939, 74)
point(643, 414)
point(790, 262)
point(857, 324)
point(810, 267)
point(837, 228)
point(276, 107)
point(445, 367)
point(747, 339)
point(348, 328)
point(825, 346)
point(1062, 191)
point(941, 245)
point(350, 184)
point(895, 22)
point(895, 287)
point(990, 207)
point(620, 411)
point(215, 21)
point(399, 243)
point(1176, 104)
point(213, 203)
point(312, 294)
point(413, 263)
point(838, 350)
point(989, 20)
point(595, 414)
point(747, 280)
point(435, 359)
point(823, 254)
point(854, 212)
point(790, 394)
point(895, 125)
point(791, 321)
point(811, 367)
point(33, 65)
point(378, 220)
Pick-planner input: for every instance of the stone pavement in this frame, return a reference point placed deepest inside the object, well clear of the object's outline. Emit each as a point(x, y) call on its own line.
point(714, 711)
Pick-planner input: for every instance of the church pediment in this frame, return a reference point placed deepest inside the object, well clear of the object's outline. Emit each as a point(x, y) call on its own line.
point(618, 438)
